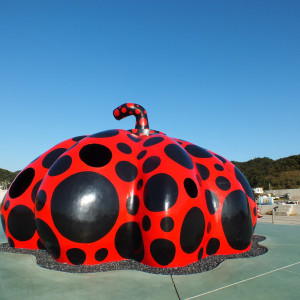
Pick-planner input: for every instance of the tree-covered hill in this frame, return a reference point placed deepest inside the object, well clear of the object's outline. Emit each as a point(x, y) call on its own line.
point(7, 176)
point(283, 173)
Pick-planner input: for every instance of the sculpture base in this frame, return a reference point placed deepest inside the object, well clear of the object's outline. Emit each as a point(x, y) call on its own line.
point(44, 260)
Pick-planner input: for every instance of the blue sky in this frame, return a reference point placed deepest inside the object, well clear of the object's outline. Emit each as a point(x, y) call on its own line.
point(224, 75)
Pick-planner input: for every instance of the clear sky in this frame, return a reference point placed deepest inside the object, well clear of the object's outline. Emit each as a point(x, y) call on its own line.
point(224, 75)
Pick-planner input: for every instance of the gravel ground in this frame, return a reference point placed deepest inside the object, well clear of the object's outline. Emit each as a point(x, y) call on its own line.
point(44, 260)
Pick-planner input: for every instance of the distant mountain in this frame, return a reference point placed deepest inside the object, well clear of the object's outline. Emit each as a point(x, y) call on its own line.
point(7, 176)
point(283, 173)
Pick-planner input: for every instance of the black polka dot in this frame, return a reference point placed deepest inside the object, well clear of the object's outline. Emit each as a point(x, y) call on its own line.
point(85, 207)
point(35, 190)
point(105, 134)
point(200, 253)
point(78, 138)
point(191, 187)
point(222, 159)
point(237, 220)
point(124, 148)
point(179, 155)
point(153, 141)
point(129, 241)
point(51, 157)
point(40, 200)
point(11, 242)
point(48, 238)
point(139, 184)
point(212, 201)
point(21, 223)
point(126, 171)
point(60, 166)
point(203, 171)
point(76, 256)
point(133, 204)
point(243, 181)
point(197, 151)
point(40, 245)
point(192, 230)
point(101, 254)
point(223, 183)
point(141, 154)
point(151, 163)
point(162, 251)
point(3, 223)
point(219, 167)
point(6, 204)
point(160, 192)
point(167, 224)
point(255, 211)
point(208, 227)
point(21, 183)
point(213, 246)
point(95, 155)
point(146, 223)
point(133, 138)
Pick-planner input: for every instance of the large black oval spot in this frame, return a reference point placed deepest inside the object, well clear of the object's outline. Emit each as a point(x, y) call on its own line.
point(151, 163)
point(95, 155)
point(212, 201)
point(223, 183)
point(203, 171)
point(237, 220)
point(40, 200)
point(51, 157)
point(213, 246)
point(11, 242)
point(200, 253)
point(35, 190)
point(167, 224)
point(177, 154)
point(101, 254)
point(141, 154)
point(153, 141)
point(126, 171)
point(7, 204)
point(219, 167)
point(198, 151)
point(243, 181)
point(60, 166)
point(124, 148)
point(21, 183)
point(133, 138)
point(21, 223)
point(105, 134)
point(146, 223)
point(162, 251)
point(76, 256)
point(48, 238)
point(222, 159)
point(133, 204)
point(85, 207)
point(129, 241)
point(191, 187)
point(192, 230)
point(160, 192)
point(78, 138)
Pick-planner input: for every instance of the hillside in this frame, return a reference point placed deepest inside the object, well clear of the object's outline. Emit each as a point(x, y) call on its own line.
point(7, 176)
point(282, 173)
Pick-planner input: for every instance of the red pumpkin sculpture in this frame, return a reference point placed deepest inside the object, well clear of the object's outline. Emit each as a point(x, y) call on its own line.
point(135, 194)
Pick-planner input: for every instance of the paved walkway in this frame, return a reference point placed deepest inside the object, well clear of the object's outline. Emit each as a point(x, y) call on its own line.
point(285, 220)
point(274, 275)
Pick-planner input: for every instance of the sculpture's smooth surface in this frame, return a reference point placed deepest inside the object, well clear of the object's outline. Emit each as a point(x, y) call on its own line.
point(136, 194)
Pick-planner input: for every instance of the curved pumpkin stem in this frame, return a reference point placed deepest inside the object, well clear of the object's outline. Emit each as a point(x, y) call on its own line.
point(132, 109)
